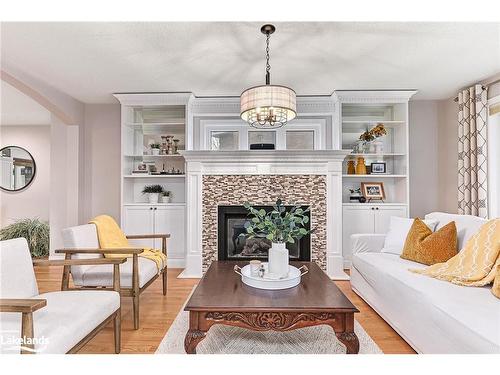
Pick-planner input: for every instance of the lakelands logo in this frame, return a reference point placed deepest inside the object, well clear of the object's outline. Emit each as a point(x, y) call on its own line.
point(10, 342)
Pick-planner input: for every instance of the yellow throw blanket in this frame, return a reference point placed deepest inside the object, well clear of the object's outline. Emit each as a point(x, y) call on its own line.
point(476, 264)
point(111, 237)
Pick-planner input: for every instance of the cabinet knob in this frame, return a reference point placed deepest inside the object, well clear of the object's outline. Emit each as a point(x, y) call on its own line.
point(150, 208)
point(375, 208)
point(156, 208)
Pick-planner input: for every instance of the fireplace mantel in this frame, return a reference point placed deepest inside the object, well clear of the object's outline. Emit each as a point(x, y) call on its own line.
point(266, 156)
point(259, 162)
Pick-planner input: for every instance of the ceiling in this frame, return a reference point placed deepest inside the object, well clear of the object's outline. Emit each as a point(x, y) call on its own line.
point(90, 61)
point(17, 108)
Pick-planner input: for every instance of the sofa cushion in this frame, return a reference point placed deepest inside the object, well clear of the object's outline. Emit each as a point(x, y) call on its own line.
point(102, 275)
point(68, 317)
point(466, 225)
point(17, 277)
point(427, 247)
point(467, 318)
point(398, 230)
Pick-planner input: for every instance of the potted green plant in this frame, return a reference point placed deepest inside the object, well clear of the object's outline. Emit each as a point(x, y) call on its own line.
point(155, 148)
point(280, 225)
point(34, 230)
point(153, 192)
point(166, 196)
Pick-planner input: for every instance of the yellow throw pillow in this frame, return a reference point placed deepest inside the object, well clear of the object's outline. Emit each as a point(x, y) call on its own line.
point(427, 247)
point(496, 284)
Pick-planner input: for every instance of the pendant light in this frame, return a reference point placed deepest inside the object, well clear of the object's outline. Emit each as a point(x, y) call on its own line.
point(268, 106)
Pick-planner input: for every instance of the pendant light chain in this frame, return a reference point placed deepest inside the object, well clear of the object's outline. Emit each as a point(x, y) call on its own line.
point(268, 66)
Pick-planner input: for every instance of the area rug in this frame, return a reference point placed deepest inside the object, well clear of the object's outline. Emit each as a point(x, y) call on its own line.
point(222, 339)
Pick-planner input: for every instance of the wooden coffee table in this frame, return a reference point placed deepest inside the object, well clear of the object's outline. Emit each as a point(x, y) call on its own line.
point(221, 298)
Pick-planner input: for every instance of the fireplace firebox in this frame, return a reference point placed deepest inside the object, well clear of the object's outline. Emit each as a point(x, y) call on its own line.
point(233, 246)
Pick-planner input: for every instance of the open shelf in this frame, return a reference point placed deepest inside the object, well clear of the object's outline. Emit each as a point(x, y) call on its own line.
point(367, 155)
point(381, 175)
point(139, 175)
point(154, 156)
point(373, 122)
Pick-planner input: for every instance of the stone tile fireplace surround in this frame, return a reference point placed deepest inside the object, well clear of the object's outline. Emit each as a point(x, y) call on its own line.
point(263, 190)
point(312, 178)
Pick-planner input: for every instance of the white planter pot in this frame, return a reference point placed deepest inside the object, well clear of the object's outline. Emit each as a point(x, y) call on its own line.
point(155, 151)
point(165, 199)
point(278, 260)
point(153, 197)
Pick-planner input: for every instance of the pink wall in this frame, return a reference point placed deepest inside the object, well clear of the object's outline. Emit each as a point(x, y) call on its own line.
point(34, 200)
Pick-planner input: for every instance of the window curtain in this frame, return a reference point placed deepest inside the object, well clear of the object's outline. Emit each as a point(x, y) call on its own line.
point(472, 152)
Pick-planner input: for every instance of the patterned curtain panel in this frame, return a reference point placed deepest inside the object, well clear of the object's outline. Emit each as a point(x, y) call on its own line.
point(472, 152)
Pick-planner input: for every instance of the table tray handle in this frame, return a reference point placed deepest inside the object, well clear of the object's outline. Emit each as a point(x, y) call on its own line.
point(237, 269)
point(303, 270)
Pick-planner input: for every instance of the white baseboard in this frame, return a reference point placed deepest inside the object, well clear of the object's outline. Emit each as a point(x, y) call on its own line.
point(176, 262)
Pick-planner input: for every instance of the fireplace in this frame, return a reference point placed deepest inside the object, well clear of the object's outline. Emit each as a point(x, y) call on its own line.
point(232, 245)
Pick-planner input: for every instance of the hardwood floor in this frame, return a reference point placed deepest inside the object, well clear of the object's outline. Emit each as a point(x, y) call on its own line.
point(158, 312)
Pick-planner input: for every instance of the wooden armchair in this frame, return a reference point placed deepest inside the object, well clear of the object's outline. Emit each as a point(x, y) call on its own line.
point(137, 273)
point(54, 322)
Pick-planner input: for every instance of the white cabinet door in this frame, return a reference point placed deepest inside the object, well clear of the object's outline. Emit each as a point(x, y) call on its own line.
point(383, 217)
point(356, 219)
point(139, 220)
point(171, 220)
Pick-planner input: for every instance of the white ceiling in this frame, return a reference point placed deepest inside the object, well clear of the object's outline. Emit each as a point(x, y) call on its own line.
point(17, 108)
point(90, 61)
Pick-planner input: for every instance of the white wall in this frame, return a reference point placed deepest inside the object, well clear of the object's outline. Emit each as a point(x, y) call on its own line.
point(102, 161)
point(34, 200)
point(423, 157)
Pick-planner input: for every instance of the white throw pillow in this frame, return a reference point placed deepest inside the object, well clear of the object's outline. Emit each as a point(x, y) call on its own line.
point(398, 231)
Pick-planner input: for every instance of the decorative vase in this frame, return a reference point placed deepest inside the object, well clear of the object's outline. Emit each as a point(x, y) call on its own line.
point(350, 167)
point(360, 166)
point(379, 147)
point(165, 199)
point(278, 260)
point(369, 147)
point(155, 151)
point(153, 197)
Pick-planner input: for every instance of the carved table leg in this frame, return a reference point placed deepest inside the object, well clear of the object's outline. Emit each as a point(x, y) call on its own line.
point(197, 331)
point(192, 339)
point(345, 333)
point(350, 340)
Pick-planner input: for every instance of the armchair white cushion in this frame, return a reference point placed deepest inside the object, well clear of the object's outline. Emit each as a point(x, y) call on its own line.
point(67, 318)
point(85, 237)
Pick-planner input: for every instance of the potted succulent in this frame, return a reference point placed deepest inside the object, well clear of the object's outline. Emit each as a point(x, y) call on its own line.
point(153, 192)
point(34, 230)
point(155, 148)
point(166, 196)
point(278, 226)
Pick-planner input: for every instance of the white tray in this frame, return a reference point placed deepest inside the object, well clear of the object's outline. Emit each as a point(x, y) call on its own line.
point(268, 282)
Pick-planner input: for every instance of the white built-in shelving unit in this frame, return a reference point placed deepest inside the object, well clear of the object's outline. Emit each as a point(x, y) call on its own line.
point(357, 112)
point(145, 118)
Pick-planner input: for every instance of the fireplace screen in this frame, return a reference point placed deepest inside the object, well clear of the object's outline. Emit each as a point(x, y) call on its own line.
point(233, 245)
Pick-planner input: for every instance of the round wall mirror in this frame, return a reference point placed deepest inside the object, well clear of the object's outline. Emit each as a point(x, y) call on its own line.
point(17, 168)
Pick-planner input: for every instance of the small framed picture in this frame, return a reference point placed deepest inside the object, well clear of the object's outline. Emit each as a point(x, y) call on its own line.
point(373, 190)
point(378, 168)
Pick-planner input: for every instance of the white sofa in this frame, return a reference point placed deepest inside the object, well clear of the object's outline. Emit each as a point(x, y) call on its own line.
point(433, 316)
